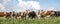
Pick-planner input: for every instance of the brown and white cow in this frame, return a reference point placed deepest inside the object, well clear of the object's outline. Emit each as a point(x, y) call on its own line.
point(2, 14)
point(56, 13)
point(26, 14)
point(47, 13)
point(19, 15)
point(39, 13)
point(8, 14)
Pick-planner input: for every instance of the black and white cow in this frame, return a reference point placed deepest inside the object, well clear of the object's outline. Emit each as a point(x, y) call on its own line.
point(56, 13)
point(32, 14)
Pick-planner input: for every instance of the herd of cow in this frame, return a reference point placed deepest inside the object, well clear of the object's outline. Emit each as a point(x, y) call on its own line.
point(30, 14)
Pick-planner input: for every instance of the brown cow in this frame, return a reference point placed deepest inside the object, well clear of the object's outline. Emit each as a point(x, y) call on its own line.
point(47, 13)
point(19, 14)
point(8, 14)
point(40, 13)
point(2, 14)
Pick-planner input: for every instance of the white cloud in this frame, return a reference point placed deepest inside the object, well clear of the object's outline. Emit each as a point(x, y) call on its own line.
point(4, 1)
point(2, 8)
point(29, 4)
point(6, 5)
point(21, 6)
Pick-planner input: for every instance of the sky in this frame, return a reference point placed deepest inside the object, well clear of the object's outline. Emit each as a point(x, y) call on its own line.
point(53, 4)
point(22, 5)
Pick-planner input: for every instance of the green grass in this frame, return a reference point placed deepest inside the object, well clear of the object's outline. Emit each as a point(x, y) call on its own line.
point(52, 20)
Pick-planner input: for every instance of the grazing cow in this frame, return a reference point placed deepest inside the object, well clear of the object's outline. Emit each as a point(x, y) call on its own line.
point(8, 14)
point(38, 13)
point(47, 13)
point(26, 14)
point(19, 14)
point(56, 13)
point(32, 14)
point(14, 14)
point(2, 14)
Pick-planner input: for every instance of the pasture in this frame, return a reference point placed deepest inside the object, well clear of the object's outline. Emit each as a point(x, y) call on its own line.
point(45, 20)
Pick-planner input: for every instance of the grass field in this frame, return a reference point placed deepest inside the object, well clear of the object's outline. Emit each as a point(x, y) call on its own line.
point(52, 20)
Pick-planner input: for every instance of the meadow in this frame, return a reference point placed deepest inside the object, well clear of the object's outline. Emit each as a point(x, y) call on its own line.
point(45, 20)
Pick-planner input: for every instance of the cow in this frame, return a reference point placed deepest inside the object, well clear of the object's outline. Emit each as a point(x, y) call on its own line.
point(8, 14)
point(2, 14)
point(47, 13)
point(32, 14)
point(39, 13)
point(14, 14)
point(19, 15)
point(56, 13)
point(26, 14)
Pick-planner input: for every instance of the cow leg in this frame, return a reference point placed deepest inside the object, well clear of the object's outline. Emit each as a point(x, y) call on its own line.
point(42, 16)
point(48, 16)
point(8, 17)
point(26, 17)
point(14, 17)
point(39, 16)
point(11, 16)
point(33, 17)
point(19, 17)
point(4, 17)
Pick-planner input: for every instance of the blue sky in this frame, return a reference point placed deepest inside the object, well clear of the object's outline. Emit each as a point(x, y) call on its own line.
point(44, 4)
